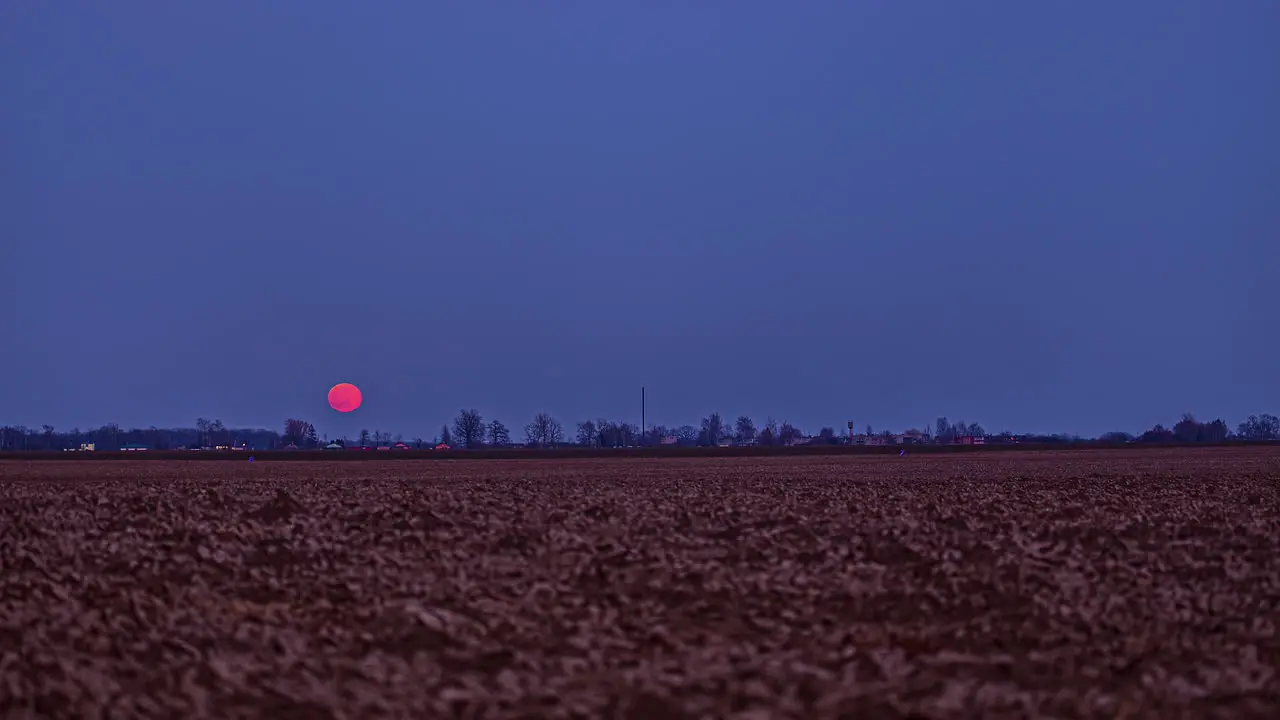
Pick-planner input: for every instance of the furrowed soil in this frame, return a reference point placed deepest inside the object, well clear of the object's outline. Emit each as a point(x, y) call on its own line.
point(1074, 584)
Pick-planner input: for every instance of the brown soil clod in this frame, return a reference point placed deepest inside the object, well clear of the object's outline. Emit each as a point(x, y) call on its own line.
point(280, 508)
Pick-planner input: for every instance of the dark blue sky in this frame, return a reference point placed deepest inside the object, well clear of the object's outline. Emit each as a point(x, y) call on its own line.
point(1054, 216)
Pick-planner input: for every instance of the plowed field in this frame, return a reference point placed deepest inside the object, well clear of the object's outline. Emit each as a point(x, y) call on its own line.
point(1076, 584)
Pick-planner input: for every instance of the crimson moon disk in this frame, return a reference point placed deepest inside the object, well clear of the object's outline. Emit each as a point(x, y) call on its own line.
point(345, 397)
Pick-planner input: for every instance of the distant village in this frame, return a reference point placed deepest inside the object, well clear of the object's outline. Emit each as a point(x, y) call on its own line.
point(913, 437)
point(469, 431)
point(371, 444)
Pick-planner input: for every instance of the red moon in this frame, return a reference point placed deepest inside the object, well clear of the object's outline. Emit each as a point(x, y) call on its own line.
point(345, 397)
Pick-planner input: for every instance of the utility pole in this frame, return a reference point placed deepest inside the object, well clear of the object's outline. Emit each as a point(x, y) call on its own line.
point(643, 428)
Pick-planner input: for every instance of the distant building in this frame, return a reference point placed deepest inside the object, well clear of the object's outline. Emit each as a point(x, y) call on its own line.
point(133, 447)
point(915, 437)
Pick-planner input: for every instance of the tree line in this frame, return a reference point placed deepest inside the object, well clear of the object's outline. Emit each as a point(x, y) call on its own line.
point(1190, 430)
point(469, 429)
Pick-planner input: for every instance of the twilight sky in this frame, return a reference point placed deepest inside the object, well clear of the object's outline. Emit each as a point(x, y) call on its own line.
point(1041, 216)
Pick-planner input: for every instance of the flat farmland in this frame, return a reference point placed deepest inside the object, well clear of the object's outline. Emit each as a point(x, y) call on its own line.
point(1020, 584)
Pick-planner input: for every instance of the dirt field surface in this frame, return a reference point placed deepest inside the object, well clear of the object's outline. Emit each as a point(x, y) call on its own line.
point(1078, 584)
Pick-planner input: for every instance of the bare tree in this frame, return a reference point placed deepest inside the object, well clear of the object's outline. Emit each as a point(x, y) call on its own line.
point(713, 429)
point(656, 434)
point(498, 434)
point(543, 431)
point(628, 434)
point(295, 431)
point(1215, 431)
point(216, 432)
point(1269, 426)
point(686, 435)
point(943, 431)
point(1191, 430)
point(1248, 430)
point(445, 437)
point(13, 436)
point(788, 434)
point(609, 433)
point(554, 432)
point(769, 433)
point(744, 430)
point(587, 434)
point(468, 429)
